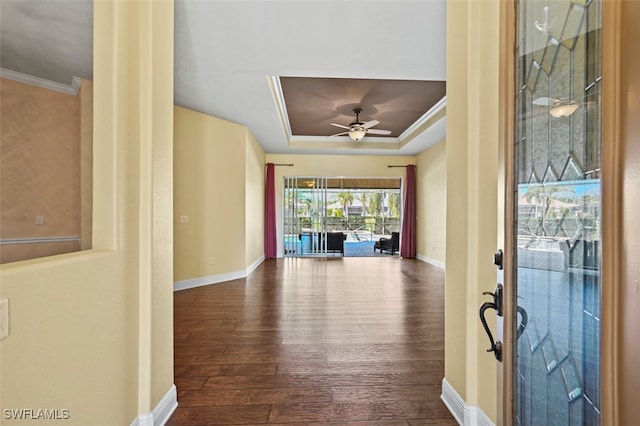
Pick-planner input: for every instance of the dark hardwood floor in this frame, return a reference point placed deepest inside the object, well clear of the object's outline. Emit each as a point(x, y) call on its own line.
point(314, 341)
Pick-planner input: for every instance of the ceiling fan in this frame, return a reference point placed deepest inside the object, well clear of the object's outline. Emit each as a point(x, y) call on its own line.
point(358, 130)
point(558, 108)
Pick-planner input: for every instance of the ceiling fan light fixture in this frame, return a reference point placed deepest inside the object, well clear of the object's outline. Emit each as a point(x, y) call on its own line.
point(563, 110)
point(357, 134)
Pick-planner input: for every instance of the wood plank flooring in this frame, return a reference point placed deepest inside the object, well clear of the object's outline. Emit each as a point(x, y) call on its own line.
point(339, 341)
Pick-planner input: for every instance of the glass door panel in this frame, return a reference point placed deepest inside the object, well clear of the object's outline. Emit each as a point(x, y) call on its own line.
point(305, 216)
point(557, 173)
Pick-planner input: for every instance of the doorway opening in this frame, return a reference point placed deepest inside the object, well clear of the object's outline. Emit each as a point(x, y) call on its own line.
point(337, 216)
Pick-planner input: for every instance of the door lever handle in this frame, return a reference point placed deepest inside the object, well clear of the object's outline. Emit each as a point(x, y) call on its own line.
point(496, 347)
point(497, 298)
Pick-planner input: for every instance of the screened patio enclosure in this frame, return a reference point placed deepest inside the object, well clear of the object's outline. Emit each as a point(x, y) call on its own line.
point(320, 211)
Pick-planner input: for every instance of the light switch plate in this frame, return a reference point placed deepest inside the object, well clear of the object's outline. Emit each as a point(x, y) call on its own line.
point(4, 318)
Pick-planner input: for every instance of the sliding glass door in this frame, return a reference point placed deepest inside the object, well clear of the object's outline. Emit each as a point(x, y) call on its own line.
point(305, 216)
point(339, 216)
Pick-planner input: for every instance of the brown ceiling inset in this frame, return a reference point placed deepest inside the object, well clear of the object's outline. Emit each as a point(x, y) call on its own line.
point(314, 103)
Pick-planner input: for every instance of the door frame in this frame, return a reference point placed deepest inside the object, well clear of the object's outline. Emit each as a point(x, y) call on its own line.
point(618, 406)
point(507, 153)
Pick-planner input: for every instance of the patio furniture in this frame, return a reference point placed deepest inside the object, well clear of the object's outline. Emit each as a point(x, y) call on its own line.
point(312, 242)
point(335, 242)
point(389, 244)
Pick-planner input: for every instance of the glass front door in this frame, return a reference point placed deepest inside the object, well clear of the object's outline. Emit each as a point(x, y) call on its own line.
point(557, 211)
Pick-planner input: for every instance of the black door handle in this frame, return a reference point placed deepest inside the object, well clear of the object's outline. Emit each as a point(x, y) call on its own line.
point(496, 347)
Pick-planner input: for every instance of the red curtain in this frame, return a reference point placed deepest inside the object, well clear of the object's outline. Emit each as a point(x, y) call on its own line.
point(408, 232)
point(270, 236)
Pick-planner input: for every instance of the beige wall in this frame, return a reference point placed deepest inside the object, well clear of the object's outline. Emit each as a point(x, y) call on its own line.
point(472, 204)
point(254, 201)
point(40, 169)
point(91, 331)
point(431, 181)
point(219, 185)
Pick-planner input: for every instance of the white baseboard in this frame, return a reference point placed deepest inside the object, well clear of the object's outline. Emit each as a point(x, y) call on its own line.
point(466, 415)
point(431, 261)
point(215, 279)
point(161, 412)
point(453, 401)
point(254, 265)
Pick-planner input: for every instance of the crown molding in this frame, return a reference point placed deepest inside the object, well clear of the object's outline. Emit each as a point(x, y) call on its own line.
point(434, 114)
point(69, 89)
point(281, 107)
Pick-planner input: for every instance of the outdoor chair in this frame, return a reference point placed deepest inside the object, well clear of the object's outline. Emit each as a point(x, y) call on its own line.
point(389, 244)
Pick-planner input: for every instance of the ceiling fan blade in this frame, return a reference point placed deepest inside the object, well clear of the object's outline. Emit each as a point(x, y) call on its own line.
point(544, 101)
point(370, 124)
point(339, 134)
point(341, 126)
point(379, 132)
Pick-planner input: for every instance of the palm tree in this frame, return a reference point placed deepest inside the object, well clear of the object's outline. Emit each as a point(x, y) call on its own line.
point(346, 199)
point(364, 198)
point(394, 204)
point(544, 194)
point(375, 203)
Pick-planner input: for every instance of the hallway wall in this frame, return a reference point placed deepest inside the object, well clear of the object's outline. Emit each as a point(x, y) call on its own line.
point(472, 167)
point(219, 187)
point(92, 331)
point(431, 204)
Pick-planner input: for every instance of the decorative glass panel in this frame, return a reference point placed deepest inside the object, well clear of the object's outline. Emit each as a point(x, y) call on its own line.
point(557, 169)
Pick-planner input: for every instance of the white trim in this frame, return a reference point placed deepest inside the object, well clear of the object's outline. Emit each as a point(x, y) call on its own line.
point(452, 400)
point(216, 279)
point(466, 415)
point(143, 420)
point(161, 412)
point(281, 106)
point(69, 89)
point(209, 279)
point(442, 103)
point(483, 419)
point(430, 260)
point(254, 265)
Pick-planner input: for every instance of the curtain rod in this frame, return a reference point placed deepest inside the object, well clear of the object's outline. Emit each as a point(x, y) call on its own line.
point(399, 165)
point(282, 164)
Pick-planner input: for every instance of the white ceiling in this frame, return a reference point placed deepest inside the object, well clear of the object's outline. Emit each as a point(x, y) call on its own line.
point(228, 51)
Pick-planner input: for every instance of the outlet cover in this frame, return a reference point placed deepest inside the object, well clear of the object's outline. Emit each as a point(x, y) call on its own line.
point(4, 318)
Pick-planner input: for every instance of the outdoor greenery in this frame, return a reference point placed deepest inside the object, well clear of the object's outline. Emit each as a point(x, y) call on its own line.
point(558, 211)
point(361, 211)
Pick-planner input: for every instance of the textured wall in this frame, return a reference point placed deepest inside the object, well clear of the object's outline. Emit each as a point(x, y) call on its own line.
point(40, 168)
